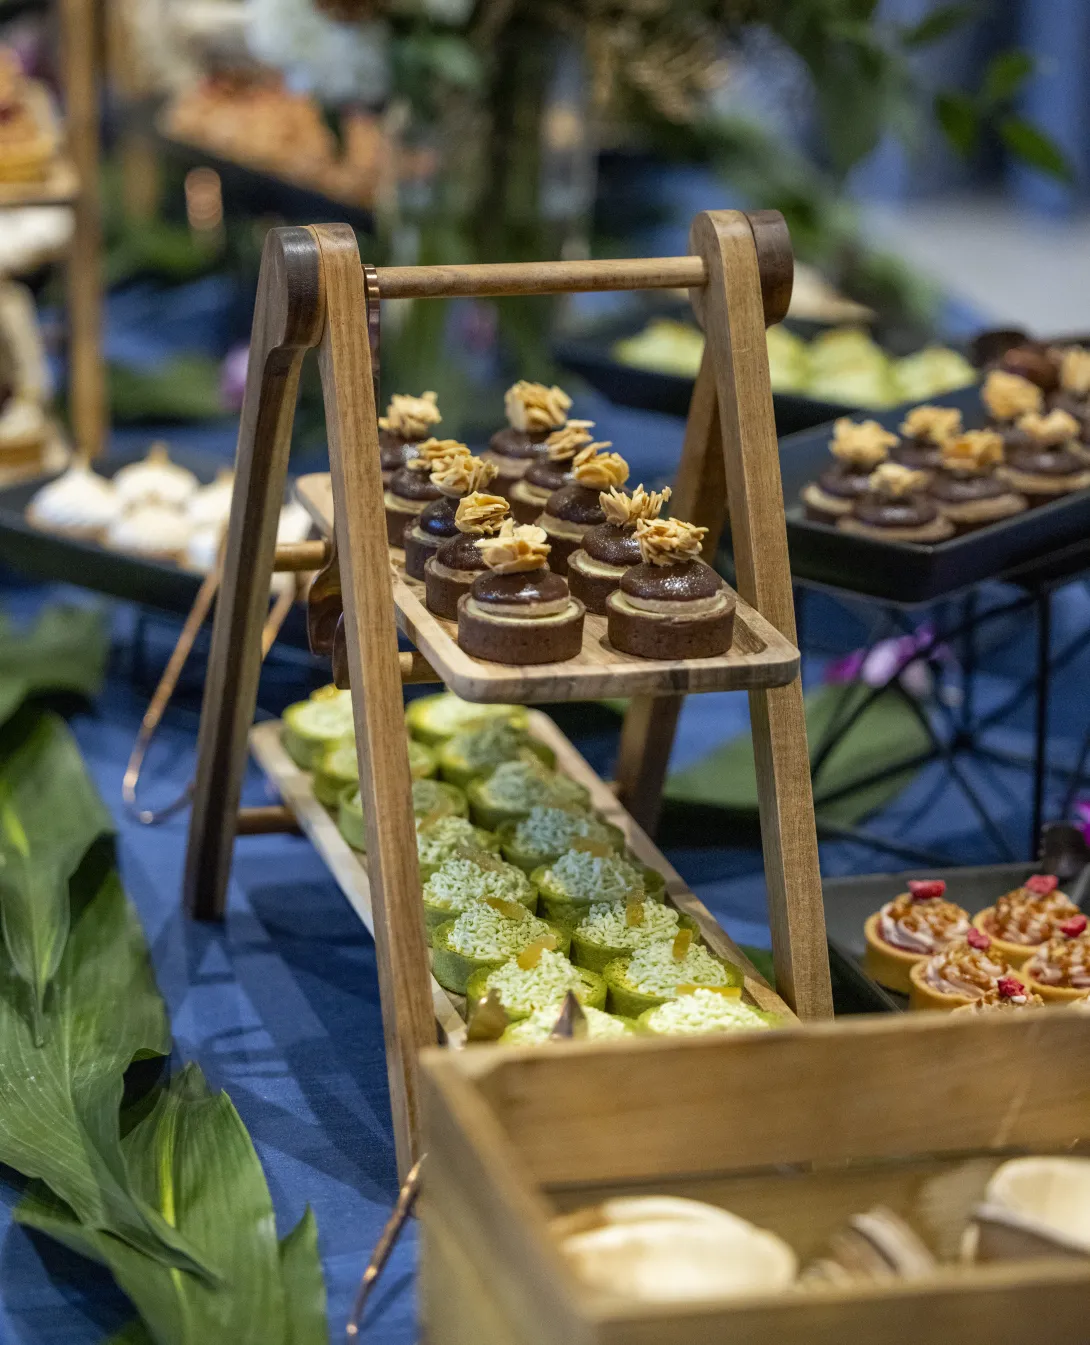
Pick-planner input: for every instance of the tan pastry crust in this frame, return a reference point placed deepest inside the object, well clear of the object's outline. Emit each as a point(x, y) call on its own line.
point(817, 501)
point(938, 530)
point(885, 964)
point(923, 996)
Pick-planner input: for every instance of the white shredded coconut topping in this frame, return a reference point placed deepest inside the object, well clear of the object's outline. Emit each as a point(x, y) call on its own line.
point(325, 719)
point(549, 830)
point(484, 933)
point(431, 794)
point(546, 984)
point(448, 714)
point(487, 746)
point(586, 877)
point(607, 925)
point(537, 1028)
point(704, 1011)
point(653, 970)
point(521, 784)
point(440, 839)
point(459, 882)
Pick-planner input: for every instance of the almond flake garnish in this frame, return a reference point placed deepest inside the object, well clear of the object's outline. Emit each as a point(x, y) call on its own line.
point(727, 991)
point(633, 912)
point(1058, 427)
point(433, 452)
point(525, 547)
point(932, 424)
point(513, 910)
point(973, 451)
point(1075, 371)
point(865, 444)
point(669, 541)
point(682, 942)
point(597, 469)
point(531, 954)
point(1008, 396)
point(533, 406)
point(563, 444)
point(624, 510)
point(893, 480)
point(462, 474)
point(410, 417)
point(480, 513)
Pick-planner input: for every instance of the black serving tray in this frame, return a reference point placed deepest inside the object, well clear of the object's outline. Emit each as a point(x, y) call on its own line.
point(849, 901)
point(905, 572)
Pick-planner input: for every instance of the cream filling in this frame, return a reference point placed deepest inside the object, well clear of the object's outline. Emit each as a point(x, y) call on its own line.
point(597, 568)
point(676, 607)
point(458, 576)
point(520, 610)
point(419, 535)
point(560, 527)
point(399, 505)
point(528, 493)
point(509, 467)
point(546, 619)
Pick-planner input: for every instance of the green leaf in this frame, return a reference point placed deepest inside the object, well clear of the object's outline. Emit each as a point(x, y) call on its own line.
point(65, 651)
point(1035, 148)
point(59, 1102)
point(136, 1333)
point(41, 845)
point(1005, 75)
point(192, 1158)
point(959, 119)
point(937, 24)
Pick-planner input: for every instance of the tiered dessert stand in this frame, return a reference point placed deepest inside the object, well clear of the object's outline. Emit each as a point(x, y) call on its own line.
point(314, 293)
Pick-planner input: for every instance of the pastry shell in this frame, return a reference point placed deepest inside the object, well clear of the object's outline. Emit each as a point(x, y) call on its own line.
point(923, 996)
point(885, 964)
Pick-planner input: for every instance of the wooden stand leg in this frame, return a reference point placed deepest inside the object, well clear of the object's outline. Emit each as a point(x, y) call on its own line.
point(734, 323)
point(288, 320)
point(375, 676)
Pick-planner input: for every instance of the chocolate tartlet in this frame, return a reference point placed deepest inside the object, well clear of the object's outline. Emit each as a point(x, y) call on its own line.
point(530, 495)
point(1007, 398)
point(1073, 393)
point(574, 509)
point(966, 487)
point(672, 605)
point(518, 610)
point(1041, 458)
point(407, 423)
point(411, 486)
point(858, 449)
point(895, 509)
point(533, 413)
point(597, 568)
point(923, 432)
point(455, 477)
point(450, 573)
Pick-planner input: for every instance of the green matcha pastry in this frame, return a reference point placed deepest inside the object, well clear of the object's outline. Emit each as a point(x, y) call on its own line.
point(615, 929)
point(579, 878)
point(536, 979)
point(703, 1011)
point(486, 935)
point(310, 728)
point(434, 719)
point(515, 787)
point(450, 837)
point(479, 751)
point(655, 973)
point(458, 883)
point(537, 1029)
point(432, 799)
point(336, 769)
point(546, 832)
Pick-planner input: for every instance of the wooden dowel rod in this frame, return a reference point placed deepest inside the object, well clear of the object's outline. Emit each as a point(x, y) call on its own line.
point(264, 821)
point(448, 282)
point(297, 556)
point(416, 670)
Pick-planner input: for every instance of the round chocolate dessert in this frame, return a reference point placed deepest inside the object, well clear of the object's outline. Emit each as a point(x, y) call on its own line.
point(530, 494)
point(449, 574)
point(411, 487)
point(533, 413)
point(518, 611)
point(857, 450)
point(609, 549)
point(574, 509)
point(406, 424)
point(1041, 461)
point(456, 477)
point(966, 488)
point(672, 605)
point(923, 432)
point(895, 509)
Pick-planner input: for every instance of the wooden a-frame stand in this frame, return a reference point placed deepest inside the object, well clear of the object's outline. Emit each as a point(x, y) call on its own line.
point(314, 293)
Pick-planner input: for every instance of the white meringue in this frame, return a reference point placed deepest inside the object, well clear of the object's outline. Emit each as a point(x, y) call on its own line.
point(152, 531)
point(155, 480)
point(79, 502)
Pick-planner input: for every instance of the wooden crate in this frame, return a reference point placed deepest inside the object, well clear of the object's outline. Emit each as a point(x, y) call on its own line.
point(795, 1130)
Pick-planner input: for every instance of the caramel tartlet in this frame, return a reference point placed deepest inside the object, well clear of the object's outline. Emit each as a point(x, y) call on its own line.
point(923, 432)
point(518, 610)
point(597, 568)
point(908, 930)
point(408, 422)
point(1022, 920)
point(857, 449)
point(895, 509)
point(411, 486)
point(1043, 461)
point(574, 509)
point(1059, 971)
point(533, 413)
point(966, 488)
point(967, 970)
point(450, 573)
point(530, 494)
point(672, 605)
point(456, 476)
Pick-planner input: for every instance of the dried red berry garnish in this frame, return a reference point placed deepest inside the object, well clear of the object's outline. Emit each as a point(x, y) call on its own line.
point(1074, 927)
point(1042, 884)
point(1009, 988)
point(976, 938)
point(926, 889)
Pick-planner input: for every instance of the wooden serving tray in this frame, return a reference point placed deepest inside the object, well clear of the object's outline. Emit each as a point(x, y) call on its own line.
point(349, 868)
point(759, 657)
point(794, 1130)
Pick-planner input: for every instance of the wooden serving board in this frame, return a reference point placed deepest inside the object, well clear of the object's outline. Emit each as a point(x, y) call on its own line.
point(349, 868)
point(759, 657)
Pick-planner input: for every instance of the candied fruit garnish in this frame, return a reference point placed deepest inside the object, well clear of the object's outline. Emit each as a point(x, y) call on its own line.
point(531, 954)
point(1042, 884)
point(727, 991)
point(1009, 987)
point(926, 889)
point(592, 846)
point(1074, 927)
point(976, 938)
point(633, 913)
point(512, 909)
point(682, 941)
